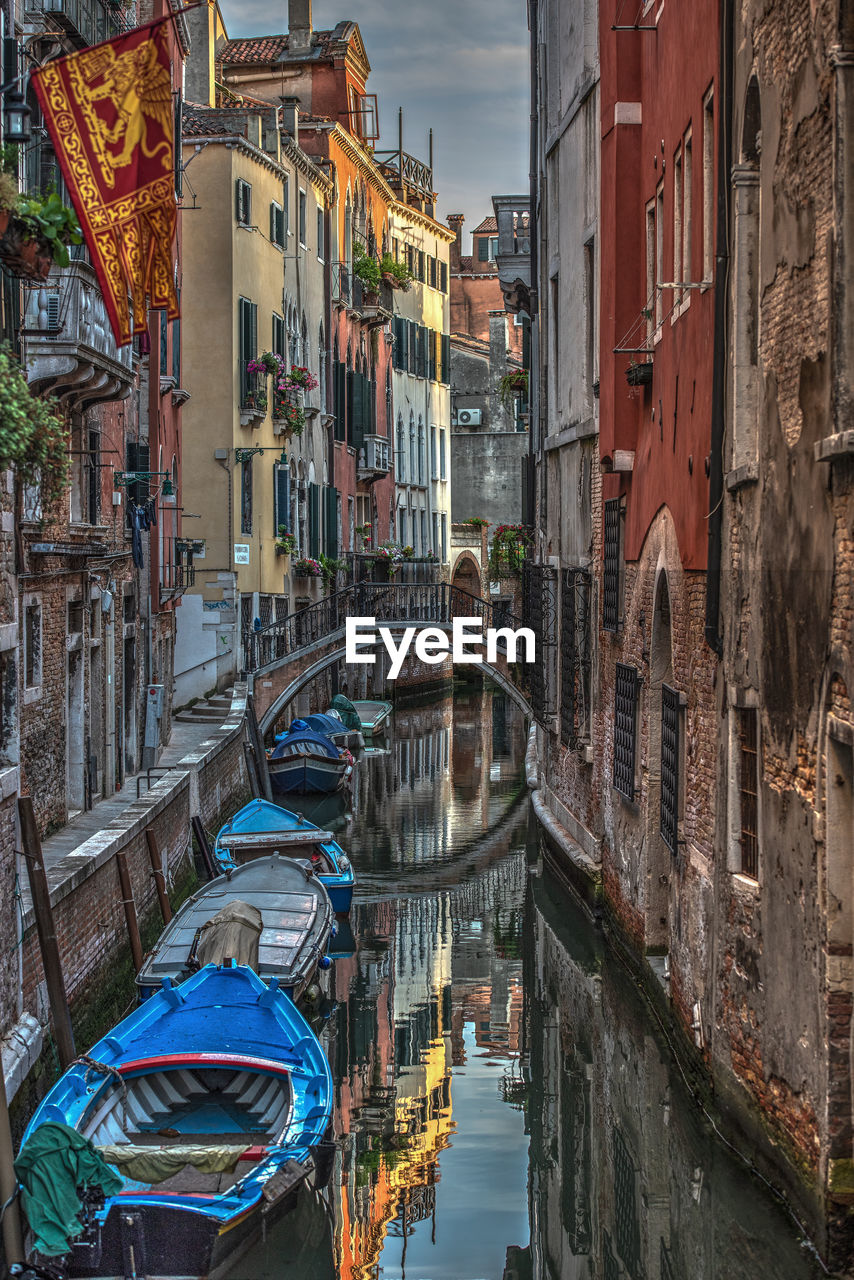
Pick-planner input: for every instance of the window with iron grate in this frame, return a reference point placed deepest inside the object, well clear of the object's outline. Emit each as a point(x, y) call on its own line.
point(671, 704)
point(625, 729)
point(612, 555)
point(575, 657)
point(748, 789)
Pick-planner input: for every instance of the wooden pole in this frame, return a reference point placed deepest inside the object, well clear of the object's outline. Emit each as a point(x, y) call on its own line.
point(258, 747)
point(254, 784)
point(13, 1243)
point(204, 847)
point(48, 945)
point(130, 910)
point(159, 881)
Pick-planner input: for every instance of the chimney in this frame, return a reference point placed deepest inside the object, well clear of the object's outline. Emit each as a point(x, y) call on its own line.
point(299, 26)
point(290, 117)
point(455, 222)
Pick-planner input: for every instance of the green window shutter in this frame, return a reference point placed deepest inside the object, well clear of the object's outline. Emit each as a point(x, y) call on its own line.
point(176, 346)
point(483, 249)
point(253, 323)
point(349, 384)
point(446, 358)
point(164, 329)
point(237, 201)
point(330, 513)
point(314, 520)
point(282, 493)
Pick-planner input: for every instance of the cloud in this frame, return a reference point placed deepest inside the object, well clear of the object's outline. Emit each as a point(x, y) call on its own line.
point(459, 67)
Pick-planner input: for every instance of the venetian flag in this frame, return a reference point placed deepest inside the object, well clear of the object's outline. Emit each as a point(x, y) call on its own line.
point(109, 112)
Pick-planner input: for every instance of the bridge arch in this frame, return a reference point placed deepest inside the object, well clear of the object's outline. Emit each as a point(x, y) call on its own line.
point(338, 652)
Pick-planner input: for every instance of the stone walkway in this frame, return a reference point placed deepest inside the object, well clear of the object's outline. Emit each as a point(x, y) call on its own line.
point(185, 738)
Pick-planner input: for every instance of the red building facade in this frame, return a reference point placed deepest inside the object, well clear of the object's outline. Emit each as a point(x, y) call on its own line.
point(659, 97)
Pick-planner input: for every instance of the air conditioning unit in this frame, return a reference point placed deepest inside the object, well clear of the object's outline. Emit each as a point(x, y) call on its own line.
point(468, 418)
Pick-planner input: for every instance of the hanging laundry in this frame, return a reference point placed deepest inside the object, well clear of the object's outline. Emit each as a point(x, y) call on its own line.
point(136, 517)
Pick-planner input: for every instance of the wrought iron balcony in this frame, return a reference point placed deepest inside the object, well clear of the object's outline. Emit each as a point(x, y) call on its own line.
point(85, 21)
point(70, 349)
point(513, 259)
point(374, 458)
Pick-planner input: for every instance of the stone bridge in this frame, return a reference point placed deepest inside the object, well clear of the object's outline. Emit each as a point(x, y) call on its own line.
point(284, 657)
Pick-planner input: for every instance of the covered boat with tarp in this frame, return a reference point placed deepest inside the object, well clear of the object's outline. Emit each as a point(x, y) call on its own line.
point(211, 1104)
point(331, 725)
point(303, 761)
point(260, 829)
point(368, 715)
point(272, 914)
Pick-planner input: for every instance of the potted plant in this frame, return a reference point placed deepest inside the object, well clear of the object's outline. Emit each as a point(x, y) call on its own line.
point(288, 417)
point(38, 235)
point(508, 549)
point(363, 531)
point(329, 568)
point(286, 543)
point(33, 435)
point(306, 567)
point(477, 522)
point(639, 375)
point(397, 274)
point(408, 552)
point(367, 269)
point(514, 383)
point(266, 363)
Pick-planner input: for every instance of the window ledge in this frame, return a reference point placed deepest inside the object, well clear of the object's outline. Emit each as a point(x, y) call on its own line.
point(743, 476)
point(746, 884)
point(166, 384)
point(179, 396)
point(837, 446)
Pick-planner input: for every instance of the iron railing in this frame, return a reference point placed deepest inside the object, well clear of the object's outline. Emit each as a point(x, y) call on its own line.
point(253, 389)
point(427, 602)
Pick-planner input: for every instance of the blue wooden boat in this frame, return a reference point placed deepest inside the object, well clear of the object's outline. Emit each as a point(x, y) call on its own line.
point(260, 829)
point(303, 761)
point(273, 914)
point(330, 724)
point(223, 1061)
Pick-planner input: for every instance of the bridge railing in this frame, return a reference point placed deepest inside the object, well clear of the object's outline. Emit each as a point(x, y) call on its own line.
point(403, 602)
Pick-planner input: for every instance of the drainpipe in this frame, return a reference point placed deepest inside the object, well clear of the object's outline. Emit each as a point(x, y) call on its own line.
point(533, 233)
point(719, 378)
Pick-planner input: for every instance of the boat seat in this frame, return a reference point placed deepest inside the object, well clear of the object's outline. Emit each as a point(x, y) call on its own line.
point(197, 1139)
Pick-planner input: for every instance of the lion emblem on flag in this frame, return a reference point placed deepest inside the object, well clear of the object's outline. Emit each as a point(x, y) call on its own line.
point(138, 85)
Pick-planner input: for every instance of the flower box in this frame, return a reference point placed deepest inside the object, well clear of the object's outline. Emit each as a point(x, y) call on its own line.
point(639, 375)
point(23, 253)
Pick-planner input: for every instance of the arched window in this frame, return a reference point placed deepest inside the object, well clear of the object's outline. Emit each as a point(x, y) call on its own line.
point(389, 407)
point(420, 451)
point(305, 348)
point(413, 461)
point(400, 462)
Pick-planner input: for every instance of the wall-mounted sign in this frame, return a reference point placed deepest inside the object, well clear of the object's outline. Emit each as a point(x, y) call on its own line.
point(241, 553)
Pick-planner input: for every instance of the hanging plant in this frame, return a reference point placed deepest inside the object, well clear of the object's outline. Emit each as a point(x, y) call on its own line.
point(286, 543)
point(513, 384)
point(507, 552)
point(51, 222)
point(298, 377)
point(367, 269)
point(266, 363)
point(33, 435)
point(397, 274)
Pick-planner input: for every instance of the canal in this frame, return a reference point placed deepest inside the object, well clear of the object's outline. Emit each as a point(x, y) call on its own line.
point(506, 1106)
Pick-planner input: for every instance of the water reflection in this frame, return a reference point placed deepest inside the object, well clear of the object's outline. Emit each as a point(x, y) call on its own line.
point(505, 1108)
point(626, 1177)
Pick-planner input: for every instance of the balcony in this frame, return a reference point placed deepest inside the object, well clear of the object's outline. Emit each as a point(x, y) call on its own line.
point(374, 458)
point(253, 396)
point(512, 213)
point(178, 571)
point(86, 22)
point(70, 349)
point(411, 179)
point(377, 308)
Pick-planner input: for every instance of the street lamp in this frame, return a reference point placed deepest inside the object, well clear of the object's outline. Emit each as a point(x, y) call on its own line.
point(16, 118)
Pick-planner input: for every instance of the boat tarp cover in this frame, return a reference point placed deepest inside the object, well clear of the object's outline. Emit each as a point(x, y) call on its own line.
point(54, 1161)
point(156, 1164)
point(346, 711)
point(304, 742)
point(232, 934)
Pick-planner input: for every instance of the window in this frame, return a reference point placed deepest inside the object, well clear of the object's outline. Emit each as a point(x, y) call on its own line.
point(687, 213)
point(611, 584)
point(651, 303)
point(413, 466)
point(279, 348)
point(286, 204)
point(320, 228)
point(553, 321)
point(302, 220)
point(659, 253)
point(590, 309)
point(247, 320)
point(243, 202)
point(93, 467)
point(483, 249)
point(421, 467)
point(443, 276)
point(625, 729)
point(277, 225)
point(400, 462)
point(677, 227)
point(403, 529)
point(708, 186)
point(748, 789)
point(441, 453)
point(246, 496)
point(424, 547)
point(433, 459)
point(434, 546)
point(671, 715)
point(446, 359)
point(575, 657)
point(444, 537)
point(32, 646)
point(431, 272)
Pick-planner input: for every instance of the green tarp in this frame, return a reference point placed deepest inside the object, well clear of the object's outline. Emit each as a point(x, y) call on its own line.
point(156, 1164)
point(53, 1163)
point(346, 711)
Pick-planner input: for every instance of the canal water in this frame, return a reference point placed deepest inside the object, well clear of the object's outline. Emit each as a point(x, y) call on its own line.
point(505, 1107)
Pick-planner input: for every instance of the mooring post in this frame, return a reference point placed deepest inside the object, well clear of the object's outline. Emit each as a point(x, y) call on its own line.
point(13, 1242)
point(258, 747)
point(130, 910)
point(204, 846)
point(40, 894)
point(159, 878)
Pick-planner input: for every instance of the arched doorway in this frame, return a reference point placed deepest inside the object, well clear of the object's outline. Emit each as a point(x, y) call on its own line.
point(466, 575)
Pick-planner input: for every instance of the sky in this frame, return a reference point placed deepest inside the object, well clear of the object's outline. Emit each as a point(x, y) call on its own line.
point(458, 66)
